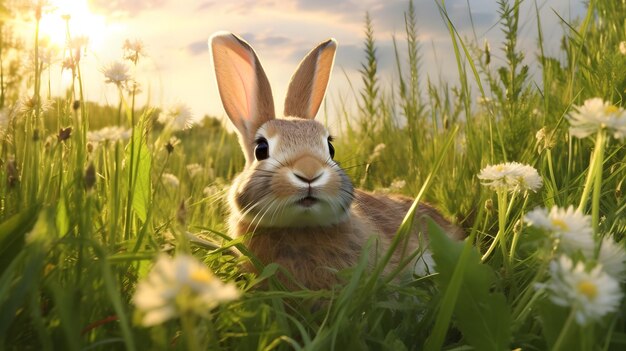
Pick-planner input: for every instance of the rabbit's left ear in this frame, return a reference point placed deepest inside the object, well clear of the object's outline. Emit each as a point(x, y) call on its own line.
point(308, 84)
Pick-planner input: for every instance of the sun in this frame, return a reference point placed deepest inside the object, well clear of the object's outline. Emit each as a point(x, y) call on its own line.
point(82, 22)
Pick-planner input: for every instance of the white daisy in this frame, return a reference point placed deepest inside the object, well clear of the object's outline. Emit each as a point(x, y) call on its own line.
point(612, 257)
point(571, 227)
point(397, 185)
point(592, 294)
point(511, 176)
point(179, 285)
point(111, 133)
point(78, 42)
point(212, 190)
point(178, 117)
point(425, 264)
point(594, 115)
point(133, 50)
point(28, 104)
point(194, 169)
point(170, 180)
point(116, 72)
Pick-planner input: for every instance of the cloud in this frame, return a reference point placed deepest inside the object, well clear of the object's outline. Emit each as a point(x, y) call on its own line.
point(332, 6)
point(270, 41)
point(390, 16)
point(349, 57)
point(266, 40)
point(206, 5)
point(125, 8)
point(249, 7)
point(199, 47)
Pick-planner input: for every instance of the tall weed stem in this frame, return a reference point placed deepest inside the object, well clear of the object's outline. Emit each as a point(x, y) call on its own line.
point(502, 215)
point(594, 181)
point(597, 185)
point(564, 331)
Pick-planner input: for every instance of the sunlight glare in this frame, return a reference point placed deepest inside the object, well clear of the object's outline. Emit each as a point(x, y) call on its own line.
point(82, 22)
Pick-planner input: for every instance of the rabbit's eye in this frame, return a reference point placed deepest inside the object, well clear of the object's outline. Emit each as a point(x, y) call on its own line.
point(331, 148)
point(262, 149)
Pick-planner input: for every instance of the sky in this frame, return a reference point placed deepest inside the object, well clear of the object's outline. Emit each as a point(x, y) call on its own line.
point(178, 67)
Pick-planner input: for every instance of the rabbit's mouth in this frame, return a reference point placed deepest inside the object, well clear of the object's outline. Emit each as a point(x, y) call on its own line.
point(307, 201)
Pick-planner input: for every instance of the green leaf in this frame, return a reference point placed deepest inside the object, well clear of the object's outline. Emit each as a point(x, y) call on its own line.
point(22, 274)
point(12, 233)
point(553, 320)
point(24, 280)
point(62, 218)
point(137, 151)
point(482, 316)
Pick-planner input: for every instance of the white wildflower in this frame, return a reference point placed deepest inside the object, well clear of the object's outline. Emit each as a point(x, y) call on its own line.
point(178, 117)
point(485, 101)
point(111, 133)
point(116, 72)
point(78, 42)
point(425, 264)
point(378, 149)
point(592, 294)
point(511, 176)
point(133, 50)
point(594, 115)
point(622, 47)
point(397, 185)
point(211, 190)
point(171, 144)
point(170, 180)
point(571, 227)
point(133, 87)
point(194, 169)
point(77, 45)
point(28, 104)
point(177, 286)
point(612, 257)
point(545, 140)
point(47, 52)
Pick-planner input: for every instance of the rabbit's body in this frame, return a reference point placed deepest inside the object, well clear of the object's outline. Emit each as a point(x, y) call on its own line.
point(295, 200)
point(311, 254)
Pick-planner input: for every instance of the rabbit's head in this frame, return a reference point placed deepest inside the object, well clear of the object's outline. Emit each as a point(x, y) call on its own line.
point(290, 178)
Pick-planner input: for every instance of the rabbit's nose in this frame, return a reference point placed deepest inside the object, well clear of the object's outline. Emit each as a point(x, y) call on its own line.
point(308, 180)
point(307, 169)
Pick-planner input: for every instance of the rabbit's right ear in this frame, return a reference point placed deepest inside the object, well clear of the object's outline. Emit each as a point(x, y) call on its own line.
point(242, 83)
point(308, 84)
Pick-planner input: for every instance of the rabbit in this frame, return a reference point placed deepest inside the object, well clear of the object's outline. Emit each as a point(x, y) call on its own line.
point(299, 206)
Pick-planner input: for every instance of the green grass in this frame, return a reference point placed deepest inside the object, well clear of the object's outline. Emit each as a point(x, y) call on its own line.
point(93, 235)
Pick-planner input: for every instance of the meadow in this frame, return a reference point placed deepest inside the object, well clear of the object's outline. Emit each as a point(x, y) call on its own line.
point(95, 200)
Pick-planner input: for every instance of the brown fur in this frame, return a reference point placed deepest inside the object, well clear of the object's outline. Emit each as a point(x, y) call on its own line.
point(313, 254)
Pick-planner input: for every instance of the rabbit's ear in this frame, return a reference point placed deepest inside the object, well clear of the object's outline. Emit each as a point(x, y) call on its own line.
point(308, 85)
point(242, 83)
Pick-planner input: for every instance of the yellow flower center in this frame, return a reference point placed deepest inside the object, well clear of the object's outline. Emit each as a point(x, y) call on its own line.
point(588, 289)
point(611, 109)
point(201, 276)
point(559, 223)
